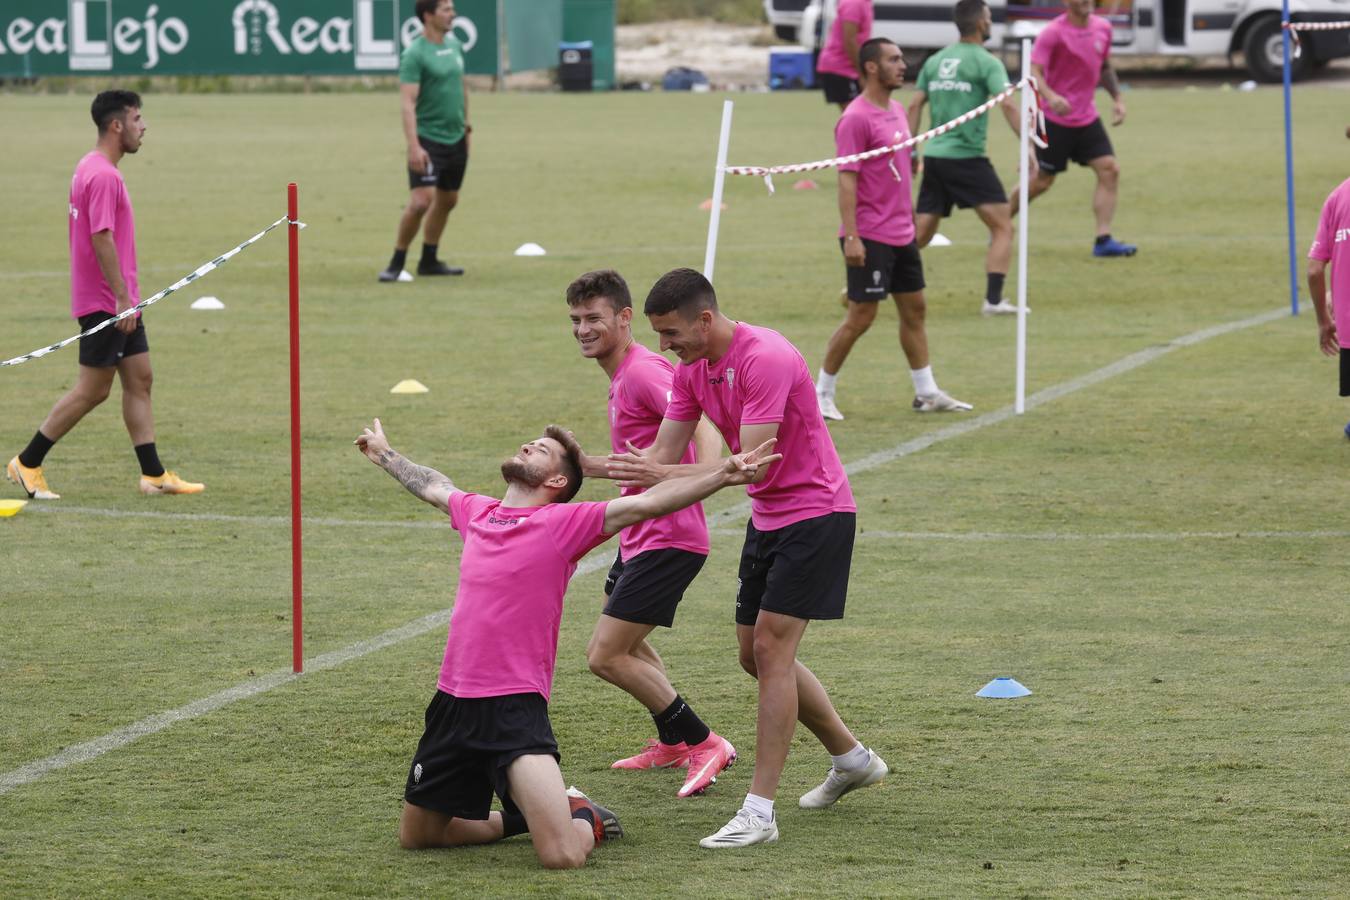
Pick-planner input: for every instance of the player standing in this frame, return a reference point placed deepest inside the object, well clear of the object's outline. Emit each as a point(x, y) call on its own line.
point(956, 170)
point(876, 233)
point(102, 284)
point(487, 727)
point(658, 558)
point(1070, 57)
point(435, 104)
point(1332, 245)
point(754, 386)
point(838, 65)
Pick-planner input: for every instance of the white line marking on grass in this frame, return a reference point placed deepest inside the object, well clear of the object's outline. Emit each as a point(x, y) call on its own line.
point(594, 562)
point(1053, 536)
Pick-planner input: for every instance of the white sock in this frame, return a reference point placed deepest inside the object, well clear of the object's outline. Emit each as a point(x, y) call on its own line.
point(925, 385)
point(852, 760)
point(825, 383)
point(759, 806)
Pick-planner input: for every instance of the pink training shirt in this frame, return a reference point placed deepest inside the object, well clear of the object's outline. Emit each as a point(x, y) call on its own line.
point(885, 209)
point(99, 202)
point(834, 59)
point(508, 605)
point(1332, 245)
point(638, 396)
point(1072, 58)
point(762, 379)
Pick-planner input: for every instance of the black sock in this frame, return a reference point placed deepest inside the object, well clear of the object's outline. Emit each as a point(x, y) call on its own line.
point(1102, 239)
point(397, 260)
point(429, 252)
point(36, 451)
point(513, 824)
point(584, 813)
point(149, 458)
point(993, 290)
point(681, 723)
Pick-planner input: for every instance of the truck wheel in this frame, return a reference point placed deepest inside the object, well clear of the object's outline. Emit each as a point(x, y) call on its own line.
point(1263, 49)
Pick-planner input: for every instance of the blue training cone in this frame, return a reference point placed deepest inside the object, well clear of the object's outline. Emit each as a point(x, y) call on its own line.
point(1003, 688)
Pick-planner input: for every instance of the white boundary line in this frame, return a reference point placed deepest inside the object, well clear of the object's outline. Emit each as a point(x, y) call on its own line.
point(597, 560)
point(1084, 536)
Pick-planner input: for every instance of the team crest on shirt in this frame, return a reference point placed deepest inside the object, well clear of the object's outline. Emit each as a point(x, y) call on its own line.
point(947, 67)
point(1098, 45)
point(731, 377)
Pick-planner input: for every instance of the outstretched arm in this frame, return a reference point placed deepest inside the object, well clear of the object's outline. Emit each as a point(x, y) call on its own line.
point(677, 493)
point(424, 483)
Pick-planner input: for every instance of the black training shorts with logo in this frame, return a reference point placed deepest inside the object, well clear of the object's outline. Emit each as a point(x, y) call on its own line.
point(838, 88)
point(466, 747)
point(886, 270)
point(1080, 144)
point(799, 570)
point(109, 347)
point(966, 183)
point(448, 162)
point(647, 588)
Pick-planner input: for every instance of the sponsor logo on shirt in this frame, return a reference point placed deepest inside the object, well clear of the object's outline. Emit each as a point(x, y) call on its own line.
point(960, 87)
point(731, 376)
point(1342, 234)
point(494, 520)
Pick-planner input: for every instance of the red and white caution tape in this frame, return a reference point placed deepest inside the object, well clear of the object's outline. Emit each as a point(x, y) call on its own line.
point(1036, 122)
point(1295, 27)
point(183, 282)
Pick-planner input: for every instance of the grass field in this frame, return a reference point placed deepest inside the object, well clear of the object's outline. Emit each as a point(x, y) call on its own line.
point(1160, 555)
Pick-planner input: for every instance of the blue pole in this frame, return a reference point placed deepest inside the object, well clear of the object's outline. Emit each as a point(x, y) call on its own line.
point(1289, 165)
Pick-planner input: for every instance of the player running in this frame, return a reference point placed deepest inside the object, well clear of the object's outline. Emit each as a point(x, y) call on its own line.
point(487, 727)
point(956, 169)
point(657, 559)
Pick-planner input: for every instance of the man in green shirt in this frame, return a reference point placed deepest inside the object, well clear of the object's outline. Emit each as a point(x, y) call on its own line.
point(436, 125)
point(956, 170)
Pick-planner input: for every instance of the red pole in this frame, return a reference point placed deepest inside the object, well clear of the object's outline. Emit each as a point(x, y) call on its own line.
point(297, 580)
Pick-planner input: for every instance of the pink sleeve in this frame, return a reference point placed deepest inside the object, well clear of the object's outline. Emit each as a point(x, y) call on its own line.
point(577, 528)
point(1044, 47)
point(852, 11)
point(463, 506)
point(100, 200)
point(850, 136)
point(1107, 33)
point(1324, 241)
point(657, 390)
point(767, 386)
point(683, 407)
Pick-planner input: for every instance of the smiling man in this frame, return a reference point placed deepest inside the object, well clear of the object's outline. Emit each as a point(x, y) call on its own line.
point(657, 559)
point(754, 386)
point(487, 727)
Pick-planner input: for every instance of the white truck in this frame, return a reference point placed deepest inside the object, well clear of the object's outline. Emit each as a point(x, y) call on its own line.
point(1184, 28)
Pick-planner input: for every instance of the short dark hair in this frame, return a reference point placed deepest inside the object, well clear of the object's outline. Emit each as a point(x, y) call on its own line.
point(424, 8)
point(680, 289)
point(111, 105)
point(967, 14)
point(870, 51)
point(600, 283)
point(571, 461)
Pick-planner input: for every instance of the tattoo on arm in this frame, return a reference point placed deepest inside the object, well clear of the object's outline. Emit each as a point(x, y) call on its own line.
point(412, 476)
point(1110, 81)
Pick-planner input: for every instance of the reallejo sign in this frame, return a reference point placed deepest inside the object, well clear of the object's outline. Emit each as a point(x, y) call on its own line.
point(235, 37)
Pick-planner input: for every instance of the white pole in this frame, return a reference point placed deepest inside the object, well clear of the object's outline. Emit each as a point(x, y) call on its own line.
point(1023, 205)
point(711, 254)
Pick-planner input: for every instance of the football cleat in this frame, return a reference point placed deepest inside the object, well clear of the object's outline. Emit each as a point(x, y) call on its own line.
point(827, 407)
point(1002, 308)
point(395, 275)
point(838, 783)
point(939, 402)
point(656, 755)
point(706, 760)
point(1114, 247)
point(436, 267)
point(33, 482)
point(169, 483)
point(607, 826)
point(744, 830)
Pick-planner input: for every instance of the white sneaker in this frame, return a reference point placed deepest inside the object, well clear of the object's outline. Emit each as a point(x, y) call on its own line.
point(827, 407)
point(744, 829)
point(1003, 307)
point(939, 402)
point(838, 783)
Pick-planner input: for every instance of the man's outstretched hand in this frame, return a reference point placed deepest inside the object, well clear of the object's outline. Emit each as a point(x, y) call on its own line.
point(372, 442)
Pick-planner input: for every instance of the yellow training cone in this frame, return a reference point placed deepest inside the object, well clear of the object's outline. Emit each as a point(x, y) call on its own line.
point(11, 507)
point(409, 386)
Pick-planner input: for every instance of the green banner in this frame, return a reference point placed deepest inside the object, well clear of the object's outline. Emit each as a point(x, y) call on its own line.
point(226, 37)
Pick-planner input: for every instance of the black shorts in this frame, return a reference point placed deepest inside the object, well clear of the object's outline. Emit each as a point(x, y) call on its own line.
point(1082, 144)
point(886, 270)
point(448, 162)
point(1345, 372)
point(838, 88)
point(965, 183)
point(466, 747)
point(800, 570)
point(647, 588)
point(110, 346)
